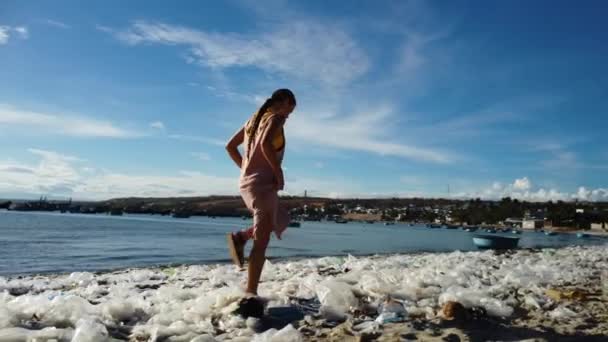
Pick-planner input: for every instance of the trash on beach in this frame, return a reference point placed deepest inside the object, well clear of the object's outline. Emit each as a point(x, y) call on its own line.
point(90, 330)
point(562, 313)
point(336, 298)
point(559, 295)
point(391, 311)
point(196, 302)
point(287, 334)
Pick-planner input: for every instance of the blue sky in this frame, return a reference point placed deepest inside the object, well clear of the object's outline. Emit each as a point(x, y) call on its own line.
point(395, 98)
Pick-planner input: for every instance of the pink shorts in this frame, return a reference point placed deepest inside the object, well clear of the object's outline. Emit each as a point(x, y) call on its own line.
point(263, 203)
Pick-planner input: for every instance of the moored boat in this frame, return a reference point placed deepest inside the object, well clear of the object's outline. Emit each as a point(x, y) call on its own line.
point(495, 241)
point(490, 230)
point(582, 235)
point(294, 224)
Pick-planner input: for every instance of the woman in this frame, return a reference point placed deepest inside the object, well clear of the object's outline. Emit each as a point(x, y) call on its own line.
point(261, 180)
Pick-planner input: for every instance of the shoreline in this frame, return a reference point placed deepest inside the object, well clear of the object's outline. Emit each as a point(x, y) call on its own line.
point(511, 293)
point(274, 259)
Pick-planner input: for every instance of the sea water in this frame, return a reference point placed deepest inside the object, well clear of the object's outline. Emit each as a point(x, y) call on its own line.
point(53, 242)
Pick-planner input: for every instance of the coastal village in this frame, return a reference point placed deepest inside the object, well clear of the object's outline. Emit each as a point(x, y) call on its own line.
point(505, 213)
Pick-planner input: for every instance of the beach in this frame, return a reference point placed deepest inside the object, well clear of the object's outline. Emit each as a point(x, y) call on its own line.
point(550, 294)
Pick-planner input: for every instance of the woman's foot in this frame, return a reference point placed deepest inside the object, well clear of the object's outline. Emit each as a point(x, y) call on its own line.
point(251, 306)
point(236, 247)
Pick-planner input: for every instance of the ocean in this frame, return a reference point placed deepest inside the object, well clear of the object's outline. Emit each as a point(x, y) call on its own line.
point(32, 242)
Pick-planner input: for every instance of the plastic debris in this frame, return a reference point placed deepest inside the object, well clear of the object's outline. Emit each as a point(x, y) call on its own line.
point(89, 330)
point(336, 297)
point(562, 313)
point(197, 302)
point(287, 334)
point(391, 311)
point(558, 295)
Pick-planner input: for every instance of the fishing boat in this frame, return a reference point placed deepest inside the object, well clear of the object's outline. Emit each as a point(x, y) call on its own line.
point(516, 231)
point(550, 233)
point(340, 220)
point(389, 223)
point(582, 235)
point(490, 230)
point(452, 226)
point(470, 228)
point(433, 225)
point(294, 224)
point(369, 221)
point(495, 241)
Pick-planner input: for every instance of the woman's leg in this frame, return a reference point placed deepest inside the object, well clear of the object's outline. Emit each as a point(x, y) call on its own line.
point(245, 234)
point(257, 257)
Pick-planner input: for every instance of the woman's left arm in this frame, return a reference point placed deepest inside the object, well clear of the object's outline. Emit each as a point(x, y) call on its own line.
point(274, 125)
point(233, 147)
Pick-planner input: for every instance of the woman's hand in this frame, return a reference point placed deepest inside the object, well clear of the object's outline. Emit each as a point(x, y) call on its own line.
point(279, 180)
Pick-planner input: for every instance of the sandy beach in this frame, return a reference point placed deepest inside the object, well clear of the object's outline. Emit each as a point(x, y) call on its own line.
point(548, 294)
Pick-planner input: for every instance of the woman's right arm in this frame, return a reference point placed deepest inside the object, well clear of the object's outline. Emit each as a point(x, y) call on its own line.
point(233, 147)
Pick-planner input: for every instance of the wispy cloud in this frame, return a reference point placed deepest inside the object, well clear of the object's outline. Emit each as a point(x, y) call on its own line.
point(157, 125)
point(194, 138)
point(55, 173)
point(304, 49)
point(365, 131)
point(201, 156)
point(7, 31)
point(56, 124)
point(57, 23)
point(58, 174)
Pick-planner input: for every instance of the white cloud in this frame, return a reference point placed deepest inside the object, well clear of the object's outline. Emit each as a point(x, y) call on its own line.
point(57, 23)
point(194, 138)
point(365, 131)
point(305, 49)
point(4, 34)
point(522, 184)
point(54, 173)
point(523, 189)
point(63, 175)
point(53, 124)
point(57, 174)
point(7, 31)
point(201, 156)
point(22, 31)
point(157, 125)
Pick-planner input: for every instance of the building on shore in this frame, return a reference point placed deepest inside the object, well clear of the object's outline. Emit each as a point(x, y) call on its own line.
point(526, 222)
